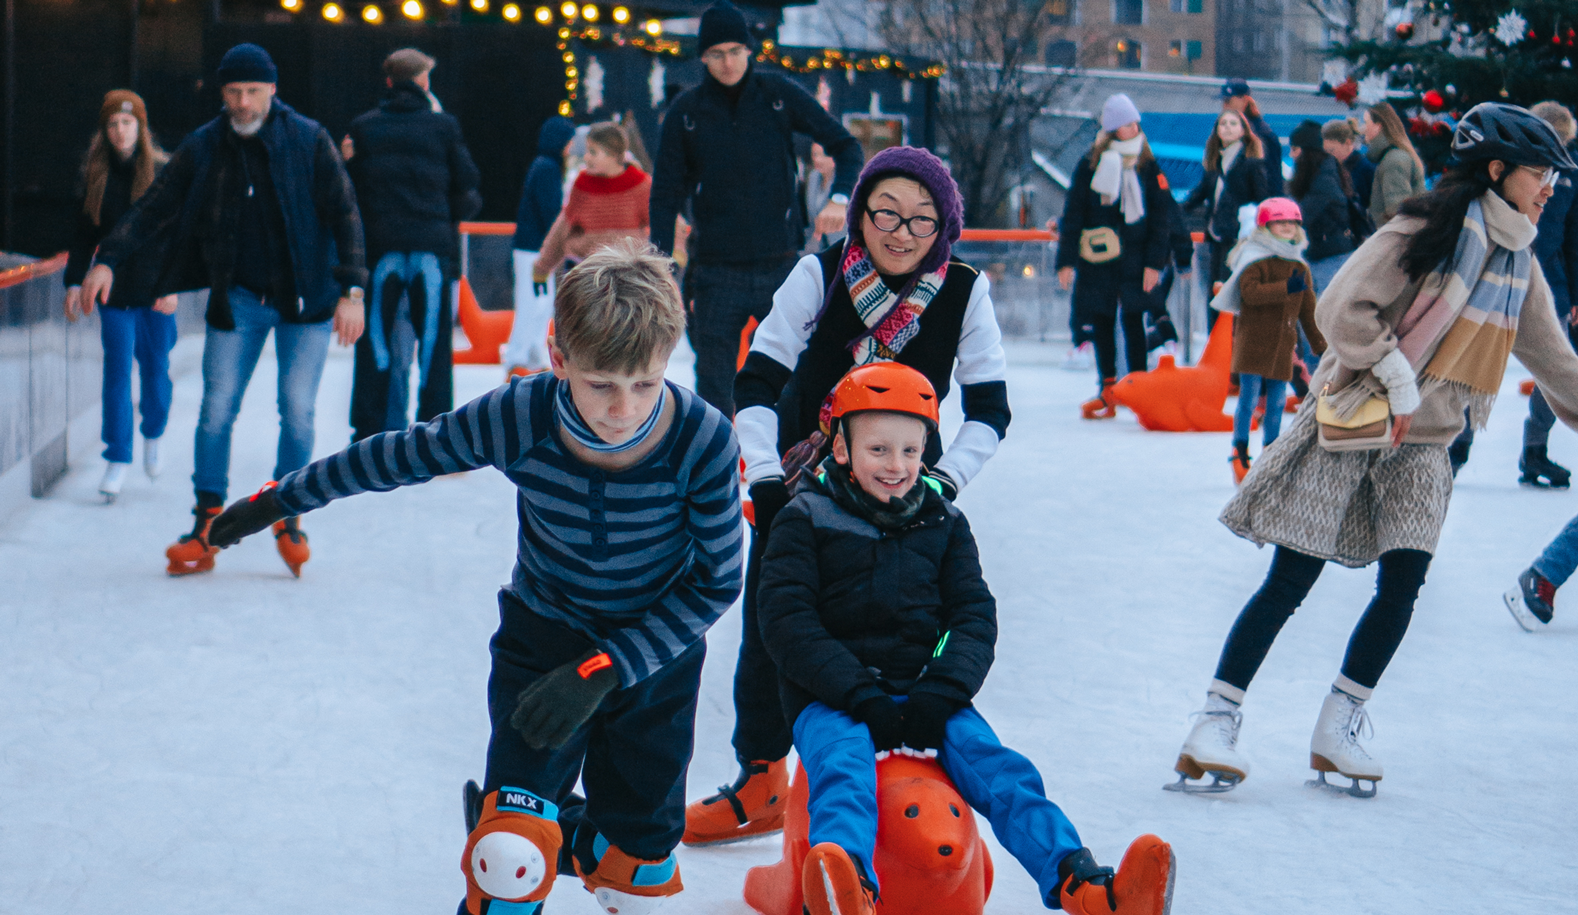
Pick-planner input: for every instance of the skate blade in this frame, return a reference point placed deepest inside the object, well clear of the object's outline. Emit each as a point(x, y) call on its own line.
point(1354, 789)
point(471, 804)
point(1224, 782)
point(177, 568)
point(1521, 614)
point(733, 839)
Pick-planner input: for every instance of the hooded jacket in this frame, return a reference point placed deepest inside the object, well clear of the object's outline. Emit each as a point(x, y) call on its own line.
point(414, 176)
point(181, 234)
point(731, 154)
point(542, 194)
point(1325, 209)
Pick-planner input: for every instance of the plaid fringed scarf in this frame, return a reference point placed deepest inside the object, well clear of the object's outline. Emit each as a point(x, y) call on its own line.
point(890, 322)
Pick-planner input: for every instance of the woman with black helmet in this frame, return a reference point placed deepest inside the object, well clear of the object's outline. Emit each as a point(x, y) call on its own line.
point(1419, 323)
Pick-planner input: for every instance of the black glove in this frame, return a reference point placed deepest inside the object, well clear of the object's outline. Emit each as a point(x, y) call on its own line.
point(769, 496)
point(926, 716)
point(552, 709)
point(883, 717)
point(1296, 283)
point(539, 288)
point(246, 517)
point(950, 489)
point(1080, 868)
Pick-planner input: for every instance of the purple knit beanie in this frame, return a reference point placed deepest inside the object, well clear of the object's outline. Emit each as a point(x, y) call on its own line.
point(918, 165)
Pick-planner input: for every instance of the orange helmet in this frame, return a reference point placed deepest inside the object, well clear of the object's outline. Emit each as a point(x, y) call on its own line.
point(886, 386)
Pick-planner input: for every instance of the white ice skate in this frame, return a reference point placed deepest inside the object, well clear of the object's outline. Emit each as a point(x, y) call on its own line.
point(1334, 747)
point(1212, 748)
point(114, 477)
point(151, 462)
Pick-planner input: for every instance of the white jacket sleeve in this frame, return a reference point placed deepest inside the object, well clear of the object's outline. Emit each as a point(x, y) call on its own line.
point(980, 362)
point(782, 337)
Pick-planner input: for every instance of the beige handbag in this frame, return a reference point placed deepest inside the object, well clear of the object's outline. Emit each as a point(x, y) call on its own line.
point(1369, 428)
point(1099, 245)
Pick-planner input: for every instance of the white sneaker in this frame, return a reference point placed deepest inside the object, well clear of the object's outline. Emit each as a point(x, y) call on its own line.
point(1212, 748)
point(1334, 747)
point(114, 477)
point(151, 463)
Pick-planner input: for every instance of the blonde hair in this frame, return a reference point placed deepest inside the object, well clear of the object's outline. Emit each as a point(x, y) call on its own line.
point(1560, 119)
point(618, 309)
point(611, 137)
point(1106, 138)
point(1253, 148)
point(1394, 131)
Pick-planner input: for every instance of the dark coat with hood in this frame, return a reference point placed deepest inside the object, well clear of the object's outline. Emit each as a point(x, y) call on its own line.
point(849, 611)
point(1246, 183)
point(413, 174)
point(730, 151)
point(181, 234)
point(1325, 209)
point(542, 194)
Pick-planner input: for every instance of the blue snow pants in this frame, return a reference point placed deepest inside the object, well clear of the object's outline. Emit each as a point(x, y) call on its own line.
point(841, 771)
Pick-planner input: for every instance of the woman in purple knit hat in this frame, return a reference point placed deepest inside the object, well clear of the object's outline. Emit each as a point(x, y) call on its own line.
point(891, 291)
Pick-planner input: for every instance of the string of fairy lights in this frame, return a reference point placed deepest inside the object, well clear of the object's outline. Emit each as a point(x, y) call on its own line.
point(568, 13)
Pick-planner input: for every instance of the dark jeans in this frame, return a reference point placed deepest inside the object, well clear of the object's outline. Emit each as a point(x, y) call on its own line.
point(409, 314)
point(760, 731)
point(146, 335)
point(631, 756)
point(1101, 293)
point(1374, 640)
point(1537, 428)
point(722, 298)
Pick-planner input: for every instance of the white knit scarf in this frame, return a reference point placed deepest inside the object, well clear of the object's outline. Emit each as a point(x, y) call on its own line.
point(1115, 178)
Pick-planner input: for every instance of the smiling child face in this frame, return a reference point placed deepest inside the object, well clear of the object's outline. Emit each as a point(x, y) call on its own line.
point(883, 451)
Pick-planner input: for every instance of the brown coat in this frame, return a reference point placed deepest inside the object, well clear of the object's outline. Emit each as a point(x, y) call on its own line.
point(1266, 333)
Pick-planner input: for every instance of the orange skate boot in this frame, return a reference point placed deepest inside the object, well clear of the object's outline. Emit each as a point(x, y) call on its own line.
point(1101, 406)
point(1240, 461)
point(191, 553)
point(752, 806)
point(834, 883)
point(624, 884)
point(1143, 884)
point(291, 541)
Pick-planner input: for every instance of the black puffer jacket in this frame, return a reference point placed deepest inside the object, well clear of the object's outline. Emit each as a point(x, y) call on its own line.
point(413, 174)
point(849, 611)
point(1325, 209)
point(1246, 183)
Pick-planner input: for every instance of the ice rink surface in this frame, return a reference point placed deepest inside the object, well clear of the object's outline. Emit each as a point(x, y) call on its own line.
point(243, 742)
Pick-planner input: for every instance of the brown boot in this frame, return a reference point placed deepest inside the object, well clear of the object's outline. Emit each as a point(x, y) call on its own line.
point(752, 806)
point(1102, 405)
point(191, 553)
point(291, 541)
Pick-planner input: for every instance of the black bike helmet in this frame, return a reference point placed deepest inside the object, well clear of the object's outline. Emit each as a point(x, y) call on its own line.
point(1495, 130)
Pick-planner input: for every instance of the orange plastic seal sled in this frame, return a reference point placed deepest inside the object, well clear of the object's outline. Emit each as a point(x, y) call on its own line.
point(1171, 399)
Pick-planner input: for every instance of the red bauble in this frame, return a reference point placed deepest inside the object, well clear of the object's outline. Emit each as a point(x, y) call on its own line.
point(1405, 30)
point(1347, 92)
point(1433, 101)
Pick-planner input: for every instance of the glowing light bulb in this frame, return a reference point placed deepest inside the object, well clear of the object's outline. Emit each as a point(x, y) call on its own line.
point(372, 13)
point(512, 13)
point(412, 9)
point(480, 6)
point(653, 27)
point(543, 15)
point(589, 13)
point(332, 12)
point(569, 10)
point(621, 15)
point(291, 5)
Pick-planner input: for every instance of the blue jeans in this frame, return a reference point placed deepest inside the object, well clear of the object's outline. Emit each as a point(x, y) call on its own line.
point(1323, 270)
point(1560, 558)
point(1250, 387)
point(841, 772)
point(146, 335)
point(229, 356)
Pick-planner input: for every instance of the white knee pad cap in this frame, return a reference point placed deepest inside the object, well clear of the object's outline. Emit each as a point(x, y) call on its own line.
point(507, 866)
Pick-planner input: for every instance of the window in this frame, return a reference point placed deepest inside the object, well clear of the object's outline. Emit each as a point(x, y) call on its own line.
point(1127, 53)
point(1188, 50)
point(1238, 42)
point(1060, 11)
point(1128, 12)
point(1062, 54)
point(1186, 6)
point(1194, 51)
point(1260, 42)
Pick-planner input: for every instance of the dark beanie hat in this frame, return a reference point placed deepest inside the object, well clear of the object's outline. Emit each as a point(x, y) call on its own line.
point(722, 24)
point(917, 165)
point(247, 63)
point(1306, 136)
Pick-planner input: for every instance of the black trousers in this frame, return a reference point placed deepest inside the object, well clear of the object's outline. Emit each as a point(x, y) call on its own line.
point(372, 411)
point(631, 756)
point(1101, 293)
point(760, 731)
point(722, 298)
point(1374, 640)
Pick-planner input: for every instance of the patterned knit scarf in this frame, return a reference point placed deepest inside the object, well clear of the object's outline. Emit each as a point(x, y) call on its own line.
point(892, 319)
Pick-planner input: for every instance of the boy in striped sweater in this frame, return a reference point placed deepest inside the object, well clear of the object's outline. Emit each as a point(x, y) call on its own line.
point(629, 549)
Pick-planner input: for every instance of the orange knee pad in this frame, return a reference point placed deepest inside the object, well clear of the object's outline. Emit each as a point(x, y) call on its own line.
point(628, 885)
point(513, 854)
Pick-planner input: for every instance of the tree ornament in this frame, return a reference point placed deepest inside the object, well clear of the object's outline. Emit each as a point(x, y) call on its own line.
point(1433, 101)
point(1510, 28)
point(1405, 30)
point(1347, 91)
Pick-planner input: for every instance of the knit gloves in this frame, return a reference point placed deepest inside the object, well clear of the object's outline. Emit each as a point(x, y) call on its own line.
point(883, 717)
point(925, 720)
point(246, 517)
point(1402, 389)
point(1296, 282)
point(552, 709)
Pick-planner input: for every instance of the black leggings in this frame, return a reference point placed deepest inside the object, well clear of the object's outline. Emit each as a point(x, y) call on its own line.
point(1374, 640)
point(1104, 328)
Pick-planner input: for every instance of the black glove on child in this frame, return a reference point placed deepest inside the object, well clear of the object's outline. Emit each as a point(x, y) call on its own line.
point(768, 497)
point(883, 717)
point(246, 517)
point(552, 709)
point(1296, 283)
point(925, 719)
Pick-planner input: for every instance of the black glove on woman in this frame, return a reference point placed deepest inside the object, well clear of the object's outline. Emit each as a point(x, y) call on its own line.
point(925, 719)
point(883, 717)
point(549, 711)
point(769, 496)
point(246, 517)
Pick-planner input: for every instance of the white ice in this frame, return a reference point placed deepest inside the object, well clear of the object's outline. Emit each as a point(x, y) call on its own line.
point(243, 742)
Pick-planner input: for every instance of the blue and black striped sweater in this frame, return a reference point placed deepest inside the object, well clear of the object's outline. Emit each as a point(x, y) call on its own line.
point(641, 560)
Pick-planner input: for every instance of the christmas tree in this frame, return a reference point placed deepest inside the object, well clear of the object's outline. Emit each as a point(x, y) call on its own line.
point(1446, 56)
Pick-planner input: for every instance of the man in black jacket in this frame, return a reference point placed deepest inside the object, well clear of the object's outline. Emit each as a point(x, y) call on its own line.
point(727, 146)
point(415, 180)
point(255, 205)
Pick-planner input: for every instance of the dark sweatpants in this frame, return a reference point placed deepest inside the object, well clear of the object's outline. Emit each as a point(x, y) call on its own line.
point(1374, 640)
point(760, 732)
point(1101, 293)
point(721, 299)
point(631, 756)
point(372, 410)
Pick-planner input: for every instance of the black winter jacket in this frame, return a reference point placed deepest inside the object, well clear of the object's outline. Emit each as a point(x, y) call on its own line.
point(181, 234)
point(116, 201)
point(1325, 209)
point(1556, 246)
point(1143, 244)
point(849, 612)
point(414, 177)
point(735, 162)
point(1246, 183)
point(1272, 156)
point(542, 193)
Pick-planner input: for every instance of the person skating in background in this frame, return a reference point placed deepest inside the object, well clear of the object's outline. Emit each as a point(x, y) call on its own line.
point(1180, 266)
point(892, 292)
point(1234, 178)
point(216, 217)
point(1340, 140)
point(1113, 244)
point(608, 203)
point(1322, 189)
point(119, 167)
point(542, 197)
point(628, 550)
point(1432, 307)
point(820, 170)
point(1399, 174)
point(1270, 293)
point(1236, 97)
point(728, 148)
point(414, 182)
point(882, 628)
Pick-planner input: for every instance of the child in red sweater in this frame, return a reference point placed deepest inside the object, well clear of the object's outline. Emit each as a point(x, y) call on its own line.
point(607, 203)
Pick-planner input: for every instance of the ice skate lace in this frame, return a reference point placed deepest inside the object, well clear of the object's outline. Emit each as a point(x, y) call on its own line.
point(1359, 727)
point(1226, 723)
